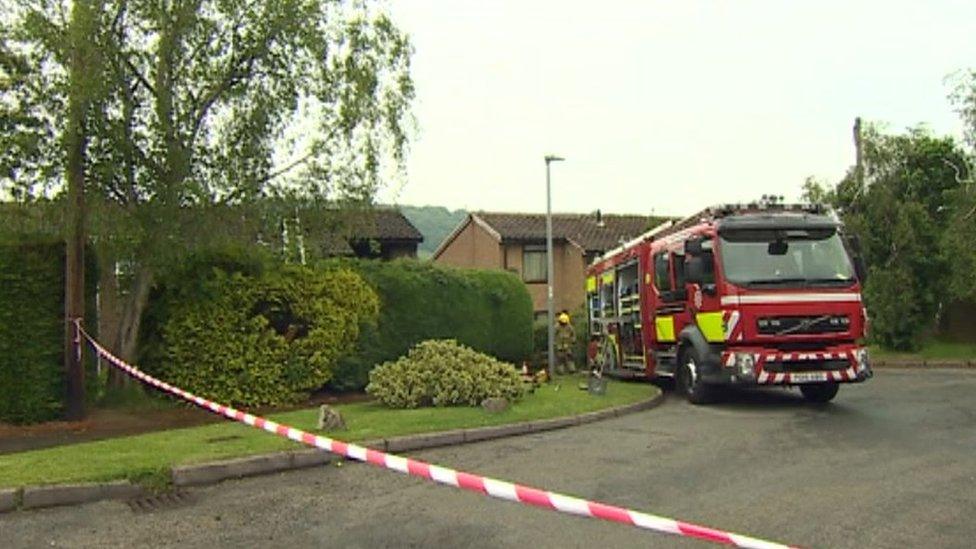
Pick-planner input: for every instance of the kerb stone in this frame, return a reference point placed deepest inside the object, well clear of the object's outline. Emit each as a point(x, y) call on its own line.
point(71, 494)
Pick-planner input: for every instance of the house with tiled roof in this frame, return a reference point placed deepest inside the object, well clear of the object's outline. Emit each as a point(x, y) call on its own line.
point(516, 242)
point(383, 233)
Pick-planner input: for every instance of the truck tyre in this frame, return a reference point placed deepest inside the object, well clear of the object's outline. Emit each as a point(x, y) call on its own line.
point(820, 393)
point(688, 382)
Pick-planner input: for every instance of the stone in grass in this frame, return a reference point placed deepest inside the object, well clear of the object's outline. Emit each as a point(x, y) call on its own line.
point(330, 419)
point(495, 405)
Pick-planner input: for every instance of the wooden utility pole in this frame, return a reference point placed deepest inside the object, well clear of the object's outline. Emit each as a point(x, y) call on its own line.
point(76, 144)
point(858, 155)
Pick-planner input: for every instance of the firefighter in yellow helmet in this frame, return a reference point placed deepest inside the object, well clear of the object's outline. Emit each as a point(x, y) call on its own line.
point(565, 339)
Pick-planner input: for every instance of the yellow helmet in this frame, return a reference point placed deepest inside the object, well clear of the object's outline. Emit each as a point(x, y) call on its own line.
point(563, 318)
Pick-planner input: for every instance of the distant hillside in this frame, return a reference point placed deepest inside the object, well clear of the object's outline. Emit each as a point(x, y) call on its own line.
point(434, 222)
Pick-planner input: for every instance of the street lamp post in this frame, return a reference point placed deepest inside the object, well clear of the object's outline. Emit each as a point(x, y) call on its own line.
point(549, 275)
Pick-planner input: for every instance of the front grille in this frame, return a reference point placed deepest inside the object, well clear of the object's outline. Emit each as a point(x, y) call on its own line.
point(805, 366)
point(793, 325)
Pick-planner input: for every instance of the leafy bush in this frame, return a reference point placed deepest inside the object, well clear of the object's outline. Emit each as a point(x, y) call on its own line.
point(252, 339)
point(443, 373)
point(489, 311)
point(32, 385)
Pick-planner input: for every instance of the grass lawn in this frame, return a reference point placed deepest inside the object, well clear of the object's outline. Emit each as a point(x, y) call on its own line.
point(147, 458)
point(932, 350)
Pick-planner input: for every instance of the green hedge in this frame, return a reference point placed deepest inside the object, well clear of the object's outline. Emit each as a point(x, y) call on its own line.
point(257, 334)
point(489, 311)
point(32, 385)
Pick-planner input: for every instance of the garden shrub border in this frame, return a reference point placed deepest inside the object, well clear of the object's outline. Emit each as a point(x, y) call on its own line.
point(32, 329)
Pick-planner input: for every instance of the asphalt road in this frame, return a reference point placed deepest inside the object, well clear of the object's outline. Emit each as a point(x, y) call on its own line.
point(891, 463)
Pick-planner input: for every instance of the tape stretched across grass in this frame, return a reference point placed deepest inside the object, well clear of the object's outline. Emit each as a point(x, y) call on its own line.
point(443, 475)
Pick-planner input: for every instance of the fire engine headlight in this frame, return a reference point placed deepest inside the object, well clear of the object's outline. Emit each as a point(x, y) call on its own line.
point(746, 364)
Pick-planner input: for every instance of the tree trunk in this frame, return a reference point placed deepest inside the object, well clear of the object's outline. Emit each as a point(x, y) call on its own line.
point(81, 64)
point(127, 341)
point(109, 313)
point(74, 283)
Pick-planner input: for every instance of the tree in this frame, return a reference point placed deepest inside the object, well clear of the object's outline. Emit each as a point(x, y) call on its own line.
point(816, 191)
point(83, 68)
point(901, 212)
point(960, 237)
point(205, 110)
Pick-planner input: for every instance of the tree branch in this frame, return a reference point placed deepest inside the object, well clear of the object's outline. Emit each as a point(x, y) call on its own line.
point(963, 182)
point(119, 17)
point(295, 163)
point(135, 72)
point(291, 165)
point(969, 213)
point(958, 175)
point(118, 194)
point(238, 70)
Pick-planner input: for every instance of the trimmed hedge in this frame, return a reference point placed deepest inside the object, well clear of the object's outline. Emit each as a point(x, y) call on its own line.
point(261, 336)
point(489, 311)
point(443, 373)
point(540, 339)
point(32, 385)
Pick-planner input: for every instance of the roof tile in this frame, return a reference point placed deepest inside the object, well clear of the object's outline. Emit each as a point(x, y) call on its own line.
point(582, 229)
point(385, 224)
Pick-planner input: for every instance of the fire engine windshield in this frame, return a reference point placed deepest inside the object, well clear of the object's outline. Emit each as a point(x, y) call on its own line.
point(785, 258)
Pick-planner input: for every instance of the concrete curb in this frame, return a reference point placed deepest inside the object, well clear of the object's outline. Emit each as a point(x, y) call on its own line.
point(262, 464)
point(214, 472)
point(10, 499)
point(924, 364)
point(425, 440)
point(34, 497)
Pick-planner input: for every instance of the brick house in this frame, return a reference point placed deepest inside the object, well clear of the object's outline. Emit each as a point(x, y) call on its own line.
point(517, 242)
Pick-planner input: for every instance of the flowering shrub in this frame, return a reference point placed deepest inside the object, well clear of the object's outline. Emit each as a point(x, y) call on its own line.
point(443, 373)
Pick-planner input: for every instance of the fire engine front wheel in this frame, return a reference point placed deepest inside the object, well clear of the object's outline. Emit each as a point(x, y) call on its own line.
point(689, 383)
point(819, 393)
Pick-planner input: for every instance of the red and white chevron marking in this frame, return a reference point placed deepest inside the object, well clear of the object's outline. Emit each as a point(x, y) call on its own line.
point(847, 374)
point(458, 479)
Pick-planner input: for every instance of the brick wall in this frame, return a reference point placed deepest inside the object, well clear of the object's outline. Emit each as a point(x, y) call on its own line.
point(473, 247)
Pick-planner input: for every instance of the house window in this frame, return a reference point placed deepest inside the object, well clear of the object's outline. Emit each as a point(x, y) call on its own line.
point(534, 263)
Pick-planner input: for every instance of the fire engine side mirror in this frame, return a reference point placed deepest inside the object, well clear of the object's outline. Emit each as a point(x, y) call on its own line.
point(860, 268)
point(853, 245)
point(693, 247)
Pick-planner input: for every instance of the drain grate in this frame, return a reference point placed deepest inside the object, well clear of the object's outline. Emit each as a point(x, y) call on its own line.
point(158, 502)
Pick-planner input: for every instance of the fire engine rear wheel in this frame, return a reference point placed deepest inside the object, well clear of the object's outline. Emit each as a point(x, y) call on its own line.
point(819, 393)
point(689, 383)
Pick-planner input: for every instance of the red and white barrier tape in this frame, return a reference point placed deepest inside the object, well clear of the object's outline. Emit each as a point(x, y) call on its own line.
point(458, 479)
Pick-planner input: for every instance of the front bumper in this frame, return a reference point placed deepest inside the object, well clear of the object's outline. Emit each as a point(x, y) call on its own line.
point(759, 366)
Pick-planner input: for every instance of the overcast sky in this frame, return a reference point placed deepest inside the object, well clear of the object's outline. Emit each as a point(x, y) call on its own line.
point(664, 106)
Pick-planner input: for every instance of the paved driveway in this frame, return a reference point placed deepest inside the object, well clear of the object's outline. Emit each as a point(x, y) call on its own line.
point(891, 463)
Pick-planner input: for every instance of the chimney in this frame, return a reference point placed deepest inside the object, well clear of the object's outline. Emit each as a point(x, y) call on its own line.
point(599, 219)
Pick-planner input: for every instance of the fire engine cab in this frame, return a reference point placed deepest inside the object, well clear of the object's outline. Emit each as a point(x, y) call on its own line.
point(757, 294)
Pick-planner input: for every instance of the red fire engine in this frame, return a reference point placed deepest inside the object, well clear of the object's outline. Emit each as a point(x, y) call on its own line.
point(763, 293)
